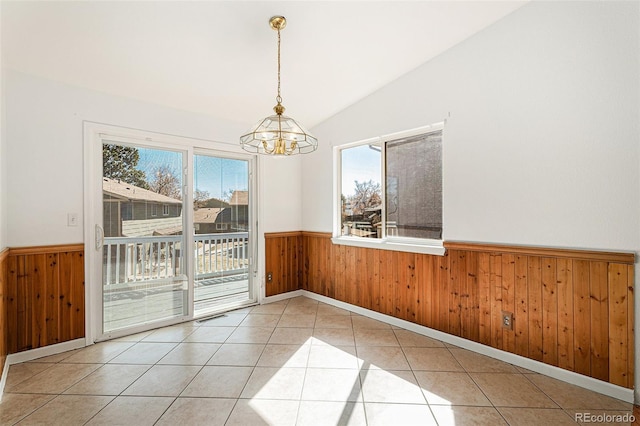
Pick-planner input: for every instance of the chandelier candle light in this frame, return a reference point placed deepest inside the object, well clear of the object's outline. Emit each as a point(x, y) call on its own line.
point(278, 134)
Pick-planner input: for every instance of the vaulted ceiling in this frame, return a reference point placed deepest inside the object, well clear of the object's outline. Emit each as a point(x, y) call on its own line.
point(219, 57)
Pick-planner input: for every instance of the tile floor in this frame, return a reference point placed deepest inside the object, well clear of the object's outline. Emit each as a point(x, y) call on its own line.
point(296, 362)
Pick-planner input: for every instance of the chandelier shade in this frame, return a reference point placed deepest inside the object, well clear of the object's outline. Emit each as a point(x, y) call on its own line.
point(278, 134)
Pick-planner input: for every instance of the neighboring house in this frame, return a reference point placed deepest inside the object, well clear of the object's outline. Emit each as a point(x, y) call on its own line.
point(205, 220)
point(236, 216)
point(133, 211)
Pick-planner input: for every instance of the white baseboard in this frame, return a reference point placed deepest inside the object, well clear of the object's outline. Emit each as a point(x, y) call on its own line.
point(283, 296)
point(46, 351)
point(586, 382)
point(3, 379)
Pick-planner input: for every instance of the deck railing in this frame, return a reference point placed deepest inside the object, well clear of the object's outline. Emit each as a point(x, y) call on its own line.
point(159, 258)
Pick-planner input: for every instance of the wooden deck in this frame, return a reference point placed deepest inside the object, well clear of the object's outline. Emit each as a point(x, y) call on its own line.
point(139, 305)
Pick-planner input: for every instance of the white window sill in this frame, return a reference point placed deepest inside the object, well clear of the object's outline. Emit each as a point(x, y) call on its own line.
point(434, 249)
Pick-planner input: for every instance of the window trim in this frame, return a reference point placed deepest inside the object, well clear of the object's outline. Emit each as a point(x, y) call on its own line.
point(406, 244)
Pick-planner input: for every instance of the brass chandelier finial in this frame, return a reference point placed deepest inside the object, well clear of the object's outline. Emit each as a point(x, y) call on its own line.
point(278, 134)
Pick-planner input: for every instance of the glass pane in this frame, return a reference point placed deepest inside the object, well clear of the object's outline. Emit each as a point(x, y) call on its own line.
point(144, 278)
point(221, 224)
point(361, 198)
point(414, 187)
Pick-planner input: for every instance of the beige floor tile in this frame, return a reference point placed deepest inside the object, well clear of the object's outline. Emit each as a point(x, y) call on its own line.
point(298, 321)
point(449, 388)
point(410, 339)
point(56, 379)
point(524, 370)
point(175, 333)
point(398, 414)
point(260, 320)
point(360, 322)
point(331, 310)
point(68, 410)
point(291, 336)
point(218, 382)
point(382, 358)
point(284, 356)
point(251, 335)
point(210, 334)
point(476, 363)
point(322, 413)
point(257, 412)
point(432, 359)
point(269, 308)
point(18, 373)
point(240, 354)
point(301, 309)
point(133, 337)
point(535, 416)
point(301, 300)
point(333, 336)
point(109, 379)
point(391, 387)
point(197, 411)
point(333, 321)
point(190, 354)
point(603, 417)
point(332, 357)
point(144, 353)
point(569, 396)
point(511, 390)
point(132, 410)
point(55, 358)
point(274, 383)
point(375, 337)
point(98, 353)
point(467, 416)
point(324, 384)
point(163, 380)
point(225, 320)
point(15, 406)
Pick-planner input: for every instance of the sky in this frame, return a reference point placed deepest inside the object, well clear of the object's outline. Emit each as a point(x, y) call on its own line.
point(212, 174)
point(359, 163)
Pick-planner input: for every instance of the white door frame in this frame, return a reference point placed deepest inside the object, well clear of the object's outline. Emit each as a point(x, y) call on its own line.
point(94, 134)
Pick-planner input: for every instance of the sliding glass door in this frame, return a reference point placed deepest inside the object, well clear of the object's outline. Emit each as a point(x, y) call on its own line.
point(170, 232)
point(144, 270)
point(221, 217)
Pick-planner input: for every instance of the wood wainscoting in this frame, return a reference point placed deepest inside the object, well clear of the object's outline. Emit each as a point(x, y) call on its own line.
point(571, 309)
point(4, 349)
point(283, 262)
point(44, 296)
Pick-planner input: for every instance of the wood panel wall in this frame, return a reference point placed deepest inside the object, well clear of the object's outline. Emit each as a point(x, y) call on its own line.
point(4, 350)
point(44, 296)
point(571, 309)
point(283, 260)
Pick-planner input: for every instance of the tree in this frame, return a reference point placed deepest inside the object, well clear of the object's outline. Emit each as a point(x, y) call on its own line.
point(119, 162)
point(166, 182)
point(367, 194)
point(199, 198)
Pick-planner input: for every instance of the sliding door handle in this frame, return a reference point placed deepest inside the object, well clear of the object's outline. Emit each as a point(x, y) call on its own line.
point(99, 237)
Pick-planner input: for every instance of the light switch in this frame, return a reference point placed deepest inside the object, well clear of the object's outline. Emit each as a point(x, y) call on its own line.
point(72, 219)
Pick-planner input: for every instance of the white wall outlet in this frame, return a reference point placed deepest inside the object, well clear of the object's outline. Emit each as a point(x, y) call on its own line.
point(72, 219)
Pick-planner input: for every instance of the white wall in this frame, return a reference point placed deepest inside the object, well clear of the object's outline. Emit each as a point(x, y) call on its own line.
point(542, 143)
point(3, 190)
point(44, 156)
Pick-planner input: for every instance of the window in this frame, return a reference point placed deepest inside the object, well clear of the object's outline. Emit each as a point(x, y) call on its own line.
point(154, 210)
point(165, 209)
point(390, 192)
point(221, 226)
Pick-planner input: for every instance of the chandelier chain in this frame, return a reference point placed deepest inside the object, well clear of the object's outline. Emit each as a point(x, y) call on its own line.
point(279, 98)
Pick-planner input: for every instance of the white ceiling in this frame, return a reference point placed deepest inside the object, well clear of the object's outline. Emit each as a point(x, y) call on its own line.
point(219, 57)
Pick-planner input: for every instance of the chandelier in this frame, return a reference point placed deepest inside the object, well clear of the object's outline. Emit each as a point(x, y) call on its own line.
point(278, 134)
